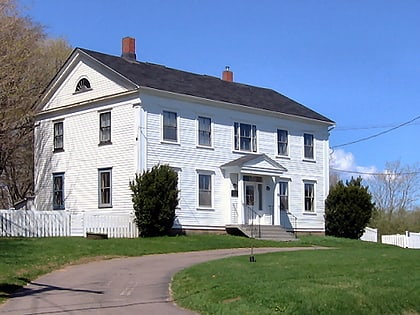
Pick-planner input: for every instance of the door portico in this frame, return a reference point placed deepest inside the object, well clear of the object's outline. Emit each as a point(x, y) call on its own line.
point(254, 187)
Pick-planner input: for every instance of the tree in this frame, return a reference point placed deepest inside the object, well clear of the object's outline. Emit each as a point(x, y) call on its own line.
point(348, 209)
point(155, 198)
point(27, 63)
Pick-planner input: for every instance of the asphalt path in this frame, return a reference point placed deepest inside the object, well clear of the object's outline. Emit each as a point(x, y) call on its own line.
point(135, 285)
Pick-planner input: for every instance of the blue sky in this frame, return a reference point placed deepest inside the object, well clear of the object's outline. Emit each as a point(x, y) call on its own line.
point(356, 62)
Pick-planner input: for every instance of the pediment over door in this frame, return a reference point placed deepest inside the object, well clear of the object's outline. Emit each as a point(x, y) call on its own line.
point(260, 164)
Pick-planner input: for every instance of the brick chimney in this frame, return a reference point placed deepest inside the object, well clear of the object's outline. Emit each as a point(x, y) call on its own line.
point(129, 48)
point(227, 75)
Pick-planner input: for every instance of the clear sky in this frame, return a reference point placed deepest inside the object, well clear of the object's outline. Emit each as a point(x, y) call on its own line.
point(355, 61)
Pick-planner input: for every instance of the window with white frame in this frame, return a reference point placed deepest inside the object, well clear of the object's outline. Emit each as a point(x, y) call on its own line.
point(282, 142)
point(308, 142)
point(105, 187)
point(284, 196)
point(204, 131)
point(169, 126)
point(309, 197)
point(58, 136)
point(58, 191)
point(245, 137)
point(204, 190)
point(105, 128)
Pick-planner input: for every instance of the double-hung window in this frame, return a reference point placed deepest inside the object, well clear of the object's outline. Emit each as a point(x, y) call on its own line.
point(309, 197)
point(58, 136)
point(282, 142)
point(204, 131)
point(105, 128)
point(204, 190)
point(58, 191)
point(308, 143)
point(284, 196)
point(105, 188)
point(245, 137)
point(170, 126)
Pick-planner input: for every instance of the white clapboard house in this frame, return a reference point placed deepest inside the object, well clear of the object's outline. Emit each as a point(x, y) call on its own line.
point(244, 154)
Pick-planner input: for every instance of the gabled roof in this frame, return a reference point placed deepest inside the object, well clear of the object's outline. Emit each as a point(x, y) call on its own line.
point(256, 163)
point(160, 77)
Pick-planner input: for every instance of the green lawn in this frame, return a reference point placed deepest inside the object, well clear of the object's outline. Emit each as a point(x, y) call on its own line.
point(23, 259)
point(354, 278)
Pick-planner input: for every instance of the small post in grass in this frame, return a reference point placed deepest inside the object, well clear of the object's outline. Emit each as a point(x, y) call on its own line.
point(252, 257)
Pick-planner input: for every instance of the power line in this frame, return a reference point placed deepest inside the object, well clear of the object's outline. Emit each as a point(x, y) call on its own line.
point(374, 174)
point(351, 128)
point(377, 135)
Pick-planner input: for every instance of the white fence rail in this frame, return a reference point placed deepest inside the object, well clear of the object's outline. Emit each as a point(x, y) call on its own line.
point(407, 240)
point(30, 223)
point(370, 235)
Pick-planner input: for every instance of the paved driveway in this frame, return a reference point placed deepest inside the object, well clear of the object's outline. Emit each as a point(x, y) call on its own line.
point(138, 285)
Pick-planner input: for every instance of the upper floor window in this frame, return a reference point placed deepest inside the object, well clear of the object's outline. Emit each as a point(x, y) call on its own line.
point(105, 128)
point(308, 141)
point(204, 131)
point(170, 126)
point(245, 137)
point(284, 196)
point(105, 187)
point(58, 136)
point(309, 197)
point(58, 191)
point(83, 85)
point(282, 142)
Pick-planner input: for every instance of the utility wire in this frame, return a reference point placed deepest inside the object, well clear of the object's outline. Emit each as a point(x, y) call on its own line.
point(375, 174)
point(376, 135)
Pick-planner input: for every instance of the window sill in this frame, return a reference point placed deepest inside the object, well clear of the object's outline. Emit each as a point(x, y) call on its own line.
point(283, 157)
point(104, 206)
point(205, 209)
point(204, 147)
point(245, 152)
point(309, 213)
point(309, 160)
point(170, 142)
point(104, 143)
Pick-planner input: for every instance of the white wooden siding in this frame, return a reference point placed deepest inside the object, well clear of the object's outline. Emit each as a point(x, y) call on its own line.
point(100, 85)
point(83, 156)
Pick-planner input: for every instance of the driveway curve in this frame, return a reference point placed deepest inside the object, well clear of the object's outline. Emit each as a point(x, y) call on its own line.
point(135, 285)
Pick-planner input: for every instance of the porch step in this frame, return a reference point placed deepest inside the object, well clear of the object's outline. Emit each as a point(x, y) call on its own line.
point(264, 232)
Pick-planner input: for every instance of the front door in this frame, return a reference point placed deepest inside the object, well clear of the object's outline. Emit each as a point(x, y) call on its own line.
point(253, 202)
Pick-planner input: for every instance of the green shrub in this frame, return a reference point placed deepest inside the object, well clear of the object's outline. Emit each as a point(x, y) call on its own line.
point(155, 198)
point(348, 209)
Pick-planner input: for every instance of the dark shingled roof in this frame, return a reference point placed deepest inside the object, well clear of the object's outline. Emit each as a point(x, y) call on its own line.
point(162, 78)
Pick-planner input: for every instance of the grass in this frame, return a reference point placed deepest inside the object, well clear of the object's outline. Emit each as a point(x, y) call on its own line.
point(24, 259)
point(354, 278)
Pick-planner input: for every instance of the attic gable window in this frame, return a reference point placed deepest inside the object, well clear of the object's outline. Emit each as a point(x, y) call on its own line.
point(83, 85)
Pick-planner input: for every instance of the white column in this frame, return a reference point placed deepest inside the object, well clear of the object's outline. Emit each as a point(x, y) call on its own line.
point(276, 204)
point(241, 201)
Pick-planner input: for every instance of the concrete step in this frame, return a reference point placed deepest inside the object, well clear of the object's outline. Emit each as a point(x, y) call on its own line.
point(266, 232)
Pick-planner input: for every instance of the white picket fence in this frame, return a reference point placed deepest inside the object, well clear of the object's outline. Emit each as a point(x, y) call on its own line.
point(407, 240)
point(370, 235)
point(31, 223)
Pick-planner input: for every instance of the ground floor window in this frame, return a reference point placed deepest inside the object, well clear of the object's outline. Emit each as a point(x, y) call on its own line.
point(58, 191)
point(105, 187)
point(205, 190)
point(309, 197)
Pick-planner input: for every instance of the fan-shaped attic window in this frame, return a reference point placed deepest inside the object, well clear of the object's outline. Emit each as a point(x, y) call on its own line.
point(83, 85)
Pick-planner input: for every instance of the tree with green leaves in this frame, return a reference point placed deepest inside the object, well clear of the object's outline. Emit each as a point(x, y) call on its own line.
point(155, 198)
point(348, 209)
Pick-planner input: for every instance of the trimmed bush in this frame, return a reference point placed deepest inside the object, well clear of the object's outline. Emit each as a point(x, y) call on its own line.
point(155, 198)
point(348, 209)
